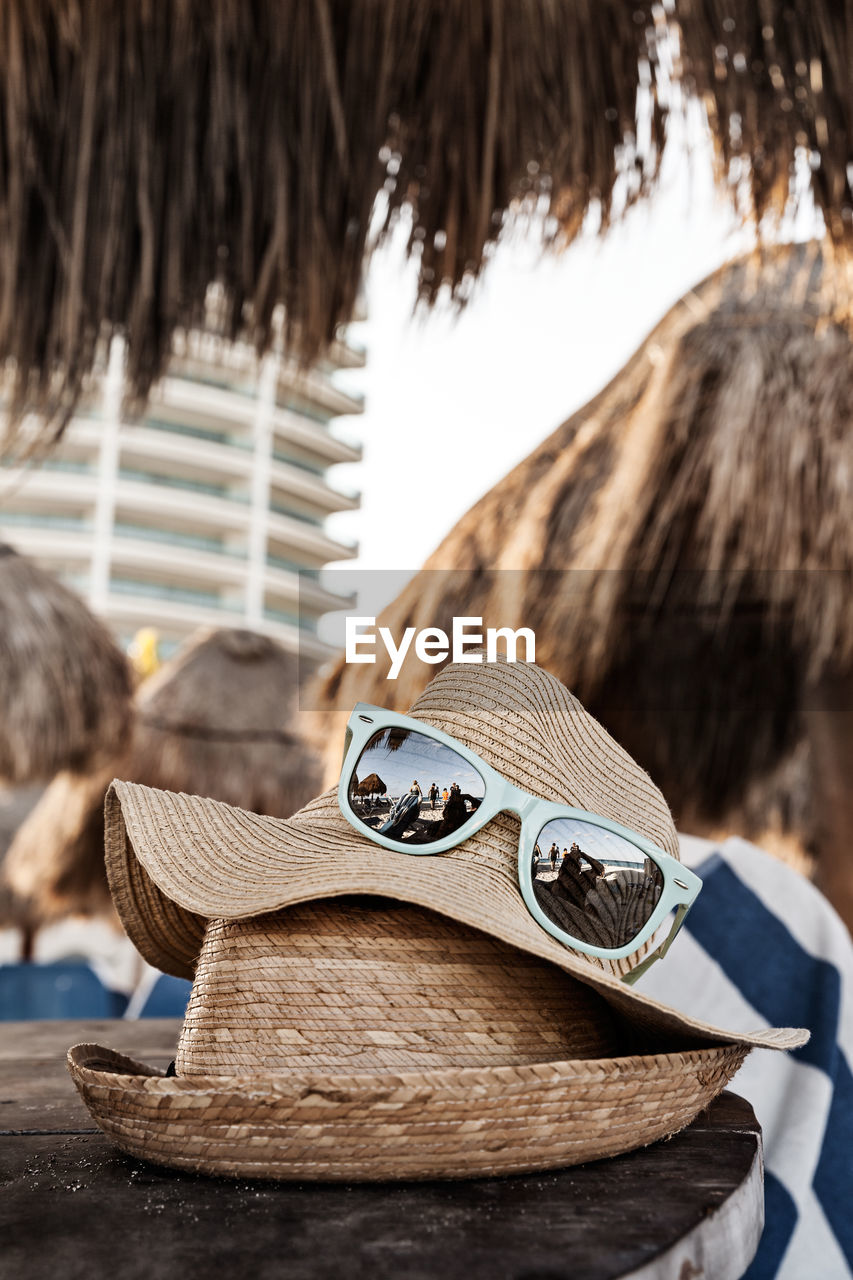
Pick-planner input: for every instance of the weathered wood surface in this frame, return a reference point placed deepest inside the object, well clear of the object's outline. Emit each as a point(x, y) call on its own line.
point(71, 1205)
point(36, 1092)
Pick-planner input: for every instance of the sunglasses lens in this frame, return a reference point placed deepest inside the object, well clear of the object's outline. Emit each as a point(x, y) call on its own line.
point(410, 788)
point(592, 884)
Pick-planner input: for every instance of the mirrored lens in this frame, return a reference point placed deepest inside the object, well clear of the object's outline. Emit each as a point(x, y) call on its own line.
point(410, 788)
point(593, 884)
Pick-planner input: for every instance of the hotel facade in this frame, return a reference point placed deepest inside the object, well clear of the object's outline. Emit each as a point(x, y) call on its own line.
point(205, 510)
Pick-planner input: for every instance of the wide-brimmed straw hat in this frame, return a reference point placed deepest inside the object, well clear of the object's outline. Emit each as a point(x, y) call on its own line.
point(358, 1013)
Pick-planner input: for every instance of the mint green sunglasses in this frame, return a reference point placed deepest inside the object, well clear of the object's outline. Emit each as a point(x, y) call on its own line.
point(592, 884)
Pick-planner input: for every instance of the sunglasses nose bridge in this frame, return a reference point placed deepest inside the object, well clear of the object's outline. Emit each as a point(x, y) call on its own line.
point(519, 802)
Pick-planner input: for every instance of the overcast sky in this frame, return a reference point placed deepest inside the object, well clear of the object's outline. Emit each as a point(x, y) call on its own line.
point(422, 760)
point(454, 401)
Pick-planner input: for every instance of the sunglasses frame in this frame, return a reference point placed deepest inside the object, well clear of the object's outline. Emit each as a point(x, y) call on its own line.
point(680, 885)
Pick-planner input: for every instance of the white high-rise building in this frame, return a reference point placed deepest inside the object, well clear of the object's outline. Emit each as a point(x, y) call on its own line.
point(204, 511)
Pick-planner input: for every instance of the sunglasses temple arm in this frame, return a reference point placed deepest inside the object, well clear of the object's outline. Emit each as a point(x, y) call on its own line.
point(659, 952)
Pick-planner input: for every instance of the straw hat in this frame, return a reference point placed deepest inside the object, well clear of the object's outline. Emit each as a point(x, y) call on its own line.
point(362, 1014)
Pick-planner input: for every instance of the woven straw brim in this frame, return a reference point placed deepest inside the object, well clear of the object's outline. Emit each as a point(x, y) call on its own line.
point(453, 1123)
point(515, 715)
point(176, 861)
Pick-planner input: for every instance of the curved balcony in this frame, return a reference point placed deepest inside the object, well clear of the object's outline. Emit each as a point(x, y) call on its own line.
point(63, 487)
point(56, 546)
point(174, 521)
point(129, 611)
point(197, 459)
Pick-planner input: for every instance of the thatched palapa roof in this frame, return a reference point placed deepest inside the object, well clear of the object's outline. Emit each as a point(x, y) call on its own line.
point(683, 543)
point(65, 686)
point(217, 720)
point(152, 149)
point(15, 804)
point(372, 785)
point(775, 76)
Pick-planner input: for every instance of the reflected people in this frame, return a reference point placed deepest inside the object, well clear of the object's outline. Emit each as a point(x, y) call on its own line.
point(603, 898)
point(409, 812)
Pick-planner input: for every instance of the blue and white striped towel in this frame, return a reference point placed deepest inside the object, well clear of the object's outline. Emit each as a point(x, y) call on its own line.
point(762, 947)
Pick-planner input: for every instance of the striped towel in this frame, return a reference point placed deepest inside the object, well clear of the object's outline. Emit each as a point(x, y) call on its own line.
point(762, 947)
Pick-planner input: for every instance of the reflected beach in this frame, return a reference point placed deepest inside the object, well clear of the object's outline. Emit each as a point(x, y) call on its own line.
point(413, 789)
point(592, 883)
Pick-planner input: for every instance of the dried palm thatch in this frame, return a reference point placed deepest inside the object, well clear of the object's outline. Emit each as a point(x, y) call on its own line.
point(775, 77)
point(15, 804)
point(152, 149)
point(683, 542)
point(372, 785)
point(55, 863)
point(65, 687)
point(217, 720)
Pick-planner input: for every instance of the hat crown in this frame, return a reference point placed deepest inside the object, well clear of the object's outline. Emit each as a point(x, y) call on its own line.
point(529, 727)
point(359, 984)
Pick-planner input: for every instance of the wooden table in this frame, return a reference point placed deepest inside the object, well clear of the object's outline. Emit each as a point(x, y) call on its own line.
point(71, 1205)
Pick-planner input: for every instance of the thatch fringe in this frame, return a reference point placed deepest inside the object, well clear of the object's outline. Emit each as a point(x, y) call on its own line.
point(151, 149)
point(55, 864)
point(775, 77)
point(683, 544)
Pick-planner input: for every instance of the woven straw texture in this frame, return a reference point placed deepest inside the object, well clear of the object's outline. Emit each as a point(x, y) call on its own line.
point(467, 1122)
point(359, 1039)
point(177, 861)
point(211, 860)
point(345, 985)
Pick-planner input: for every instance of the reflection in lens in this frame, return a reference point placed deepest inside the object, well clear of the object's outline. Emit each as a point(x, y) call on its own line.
point(410, 788)
point(593, 884)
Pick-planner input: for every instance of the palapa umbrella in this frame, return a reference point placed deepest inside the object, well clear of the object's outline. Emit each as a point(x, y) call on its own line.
point(372, 786)
point(65, 686)
point(686, 543)
point(774, 77)
point(55, 863)
point(217, 720)
point(15, 804)
point(152, 149)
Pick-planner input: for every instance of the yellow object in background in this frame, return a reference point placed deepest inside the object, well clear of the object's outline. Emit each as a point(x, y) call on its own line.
point(144, 652)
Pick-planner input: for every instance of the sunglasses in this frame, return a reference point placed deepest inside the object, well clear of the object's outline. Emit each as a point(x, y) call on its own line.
point(592, 884)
